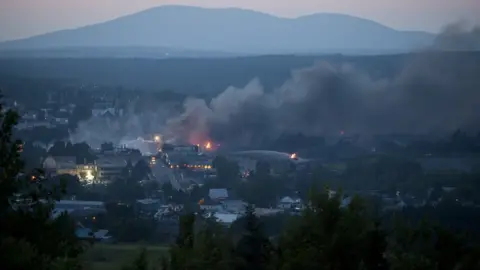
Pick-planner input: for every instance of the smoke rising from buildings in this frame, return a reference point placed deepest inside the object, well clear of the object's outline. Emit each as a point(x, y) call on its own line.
point(434, 92)
point(460, 37)
point(133, 130)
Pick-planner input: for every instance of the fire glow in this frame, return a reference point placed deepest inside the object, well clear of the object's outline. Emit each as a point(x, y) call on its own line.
point(208, 145)
point(293, 156)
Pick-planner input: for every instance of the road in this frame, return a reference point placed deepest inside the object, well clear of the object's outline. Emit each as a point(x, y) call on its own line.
point(163, 174)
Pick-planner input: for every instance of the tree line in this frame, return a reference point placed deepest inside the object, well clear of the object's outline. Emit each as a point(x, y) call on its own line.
point(326, 235)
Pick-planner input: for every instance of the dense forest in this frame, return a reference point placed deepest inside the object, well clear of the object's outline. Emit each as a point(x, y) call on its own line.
point(209, 75)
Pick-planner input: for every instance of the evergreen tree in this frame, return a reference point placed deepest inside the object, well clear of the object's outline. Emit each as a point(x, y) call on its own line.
point(207, 251)
point(164, 263)
point(330, 236)
point(140, 262)
point(253, 251)
point(182, 252)
point(375, 249)
point(29, 237)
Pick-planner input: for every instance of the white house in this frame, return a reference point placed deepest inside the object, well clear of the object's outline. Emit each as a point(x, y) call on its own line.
point(289, 203)
point(211, 206)
point(234, 206)
point(218, 194)
point(226, 218)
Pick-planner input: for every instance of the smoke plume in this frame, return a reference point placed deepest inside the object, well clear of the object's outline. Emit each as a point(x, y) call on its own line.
point(434, 92)
point(458, 37)
point(134, 130)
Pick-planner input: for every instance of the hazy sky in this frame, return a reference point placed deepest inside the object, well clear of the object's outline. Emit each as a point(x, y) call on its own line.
point(23, 18)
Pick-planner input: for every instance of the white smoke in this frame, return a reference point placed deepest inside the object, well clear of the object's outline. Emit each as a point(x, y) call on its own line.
point(133, 130)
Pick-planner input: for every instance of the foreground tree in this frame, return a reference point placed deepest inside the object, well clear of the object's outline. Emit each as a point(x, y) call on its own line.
point(29, 237)
point(182, 252)
point(329, 235)
point(140, 262)
point(253, 251)
point(210, 246)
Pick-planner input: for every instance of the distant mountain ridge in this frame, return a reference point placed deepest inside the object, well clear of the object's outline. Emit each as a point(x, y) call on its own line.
point(232, 30)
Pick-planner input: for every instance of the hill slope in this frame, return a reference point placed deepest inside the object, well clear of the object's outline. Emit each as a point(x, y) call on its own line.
point(232, 30)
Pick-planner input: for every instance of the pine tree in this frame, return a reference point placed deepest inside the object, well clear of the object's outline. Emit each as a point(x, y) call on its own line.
point(207, 251)
point(164, 263)
point(182, 252)
point(328, 236)
point(253, 251)
point(375, 249)
point(141, 262)
point(29, 237)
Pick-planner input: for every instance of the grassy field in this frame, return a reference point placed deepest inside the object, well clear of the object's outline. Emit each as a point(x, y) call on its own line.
point(115, 256)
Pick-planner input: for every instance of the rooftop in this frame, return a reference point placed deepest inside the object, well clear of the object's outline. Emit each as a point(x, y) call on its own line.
point(111, 162)
point(89, 233)
point(148, 201)
point(218, 193)
point(226, 218)
point(82, 203)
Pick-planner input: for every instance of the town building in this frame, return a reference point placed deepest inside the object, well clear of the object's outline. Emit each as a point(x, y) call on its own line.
point(68, 165)
point(218, 194)
point(110, 168)
point(234, 206)
point(91, 235)
point(148, 206)
point(225, 219)
point(288, 203)
point(78, 209)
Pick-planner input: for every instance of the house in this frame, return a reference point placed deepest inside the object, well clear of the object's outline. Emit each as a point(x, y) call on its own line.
point(59, 117)
point(100, 109)
point(30, 116)
point(262, 212)
point(50, 166)
point(109, 168)
point(211, 206)
point(148, 206)
point(289, 203)
point(78, 209)
point(218, 194)
point(79, 205)
point(67, 108)
point(57, 212)
point(25, 125)
point(392, 204)
point(60, 165)
point(68, 165)
point(89, 234)
point(168, 212)
point(234, 206)
point(61, 120)
point(225, 218)
point(108, 114)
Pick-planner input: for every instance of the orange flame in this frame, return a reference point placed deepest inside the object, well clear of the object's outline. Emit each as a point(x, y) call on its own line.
point(208, 146)
point(293, 156)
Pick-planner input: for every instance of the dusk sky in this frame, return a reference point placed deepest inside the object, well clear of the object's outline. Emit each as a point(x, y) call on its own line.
point(24, 18)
